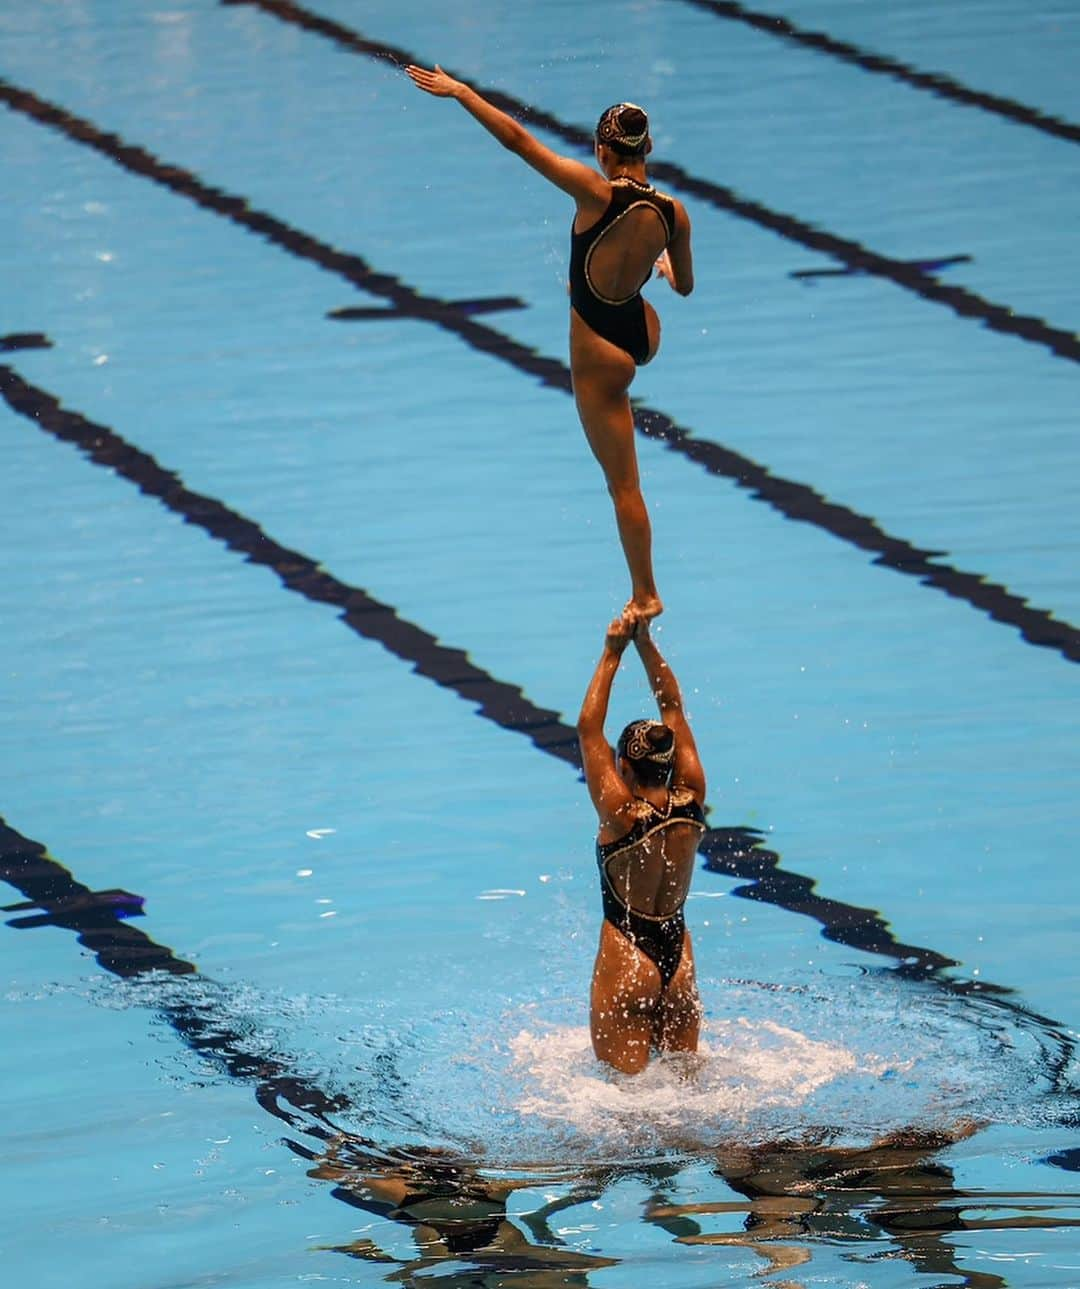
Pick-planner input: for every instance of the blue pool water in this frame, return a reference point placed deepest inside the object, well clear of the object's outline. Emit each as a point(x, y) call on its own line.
point(299, 609)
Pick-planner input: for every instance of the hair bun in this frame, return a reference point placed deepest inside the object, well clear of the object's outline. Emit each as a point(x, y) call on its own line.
point(633, 120)
point(624, 127)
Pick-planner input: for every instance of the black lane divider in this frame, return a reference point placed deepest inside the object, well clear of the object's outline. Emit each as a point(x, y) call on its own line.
point(967, 304)
point(924, 266)
point(17, 340)
point(124, 951)
point(470, 308)
point(98, 918)
point(735, 852)
point(796, 501)
point(368, 617)
point(936, 82)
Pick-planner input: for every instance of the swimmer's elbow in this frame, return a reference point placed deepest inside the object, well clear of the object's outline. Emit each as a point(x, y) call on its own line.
point(589, 726)
point(684, 288)
point(515, 137)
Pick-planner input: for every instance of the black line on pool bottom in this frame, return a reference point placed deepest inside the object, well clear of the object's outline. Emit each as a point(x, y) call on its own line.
point(468, 308)
point(368, 617)
point(924, 266)
point(124, 951)
point(936, 82)
point(794, 500)
point(964, 303)
point(743, 853)
point(17, 340)
point(121, 904)
point(799, 502)
point(98, 924)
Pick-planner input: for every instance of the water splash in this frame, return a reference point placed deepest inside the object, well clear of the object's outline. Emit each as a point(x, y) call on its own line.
point(744, 1074)
point(846, 1057)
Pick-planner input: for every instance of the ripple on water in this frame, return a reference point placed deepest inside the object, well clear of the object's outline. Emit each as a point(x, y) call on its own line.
point(850, 1057)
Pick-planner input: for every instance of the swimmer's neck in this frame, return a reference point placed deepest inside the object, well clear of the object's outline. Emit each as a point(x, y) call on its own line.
point(655, 794)
point(625, 168)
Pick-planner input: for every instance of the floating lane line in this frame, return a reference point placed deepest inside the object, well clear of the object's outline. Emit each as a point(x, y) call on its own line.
point(794, 500)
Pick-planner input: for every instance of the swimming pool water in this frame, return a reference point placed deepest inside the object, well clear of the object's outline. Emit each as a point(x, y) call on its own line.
point(233, 692)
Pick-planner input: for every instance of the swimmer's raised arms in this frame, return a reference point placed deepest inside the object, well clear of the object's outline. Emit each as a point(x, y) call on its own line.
point(649, 794)
point(623, 229)
point(510, 133)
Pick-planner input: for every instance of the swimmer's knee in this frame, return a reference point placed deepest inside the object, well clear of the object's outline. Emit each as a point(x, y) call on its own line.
point(625, 492)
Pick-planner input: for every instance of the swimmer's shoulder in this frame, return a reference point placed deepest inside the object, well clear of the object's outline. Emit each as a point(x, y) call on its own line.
point(682, 796)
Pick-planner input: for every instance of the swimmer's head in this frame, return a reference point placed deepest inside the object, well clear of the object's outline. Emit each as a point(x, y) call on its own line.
point(649, 749)
point(624, 128)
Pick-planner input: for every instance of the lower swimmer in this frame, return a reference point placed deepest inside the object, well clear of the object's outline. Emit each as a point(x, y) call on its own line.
point(622, 228)
point(649, 794)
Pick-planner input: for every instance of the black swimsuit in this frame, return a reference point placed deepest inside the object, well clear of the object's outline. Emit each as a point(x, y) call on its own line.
point(620, 321)
point(659, 938)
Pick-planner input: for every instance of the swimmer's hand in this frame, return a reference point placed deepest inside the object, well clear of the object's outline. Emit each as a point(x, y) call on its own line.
point(619, 633)
point(664, 269)
point(437, 82)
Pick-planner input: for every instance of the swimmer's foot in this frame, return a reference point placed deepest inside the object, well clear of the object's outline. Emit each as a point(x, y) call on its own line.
point(643, 608)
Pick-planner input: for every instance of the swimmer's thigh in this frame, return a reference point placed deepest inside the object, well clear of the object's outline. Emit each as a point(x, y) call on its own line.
point(624, 998)
point(678, 1018)
point(652, 329)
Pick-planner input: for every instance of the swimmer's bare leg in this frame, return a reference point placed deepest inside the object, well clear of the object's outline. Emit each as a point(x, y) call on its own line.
point(602, 375)
point(678, 1020)
point(625, 993)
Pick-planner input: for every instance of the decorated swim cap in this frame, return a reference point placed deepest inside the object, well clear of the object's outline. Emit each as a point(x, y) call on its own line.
point(624, 127)
point(647, 741)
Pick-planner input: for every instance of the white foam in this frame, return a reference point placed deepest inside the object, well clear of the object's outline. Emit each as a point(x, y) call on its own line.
point(743, 1070)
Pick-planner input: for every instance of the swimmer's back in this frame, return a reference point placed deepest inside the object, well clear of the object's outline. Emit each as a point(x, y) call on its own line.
point(629, 238)
point(650, 868)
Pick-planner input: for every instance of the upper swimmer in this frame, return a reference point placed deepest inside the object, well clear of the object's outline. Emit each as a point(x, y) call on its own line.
point(622, 228)
point(649, 796)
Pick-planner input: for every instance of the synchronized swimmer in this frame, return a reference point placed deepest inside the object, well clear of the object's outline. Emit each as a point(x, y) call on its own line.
point(622, 228)
point(649, 793)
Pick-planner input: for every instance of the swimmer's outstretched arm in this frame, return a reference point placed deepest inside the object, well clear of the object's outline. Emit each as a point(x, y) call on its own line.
point(583, 183)
point(608, 792)
point(688, 772)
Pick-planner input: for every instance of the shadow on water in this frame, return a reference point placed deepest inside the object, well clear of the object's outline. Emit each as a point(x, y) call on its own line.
point(779, 1200)
point(785, 1197)
point(895, 1193)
